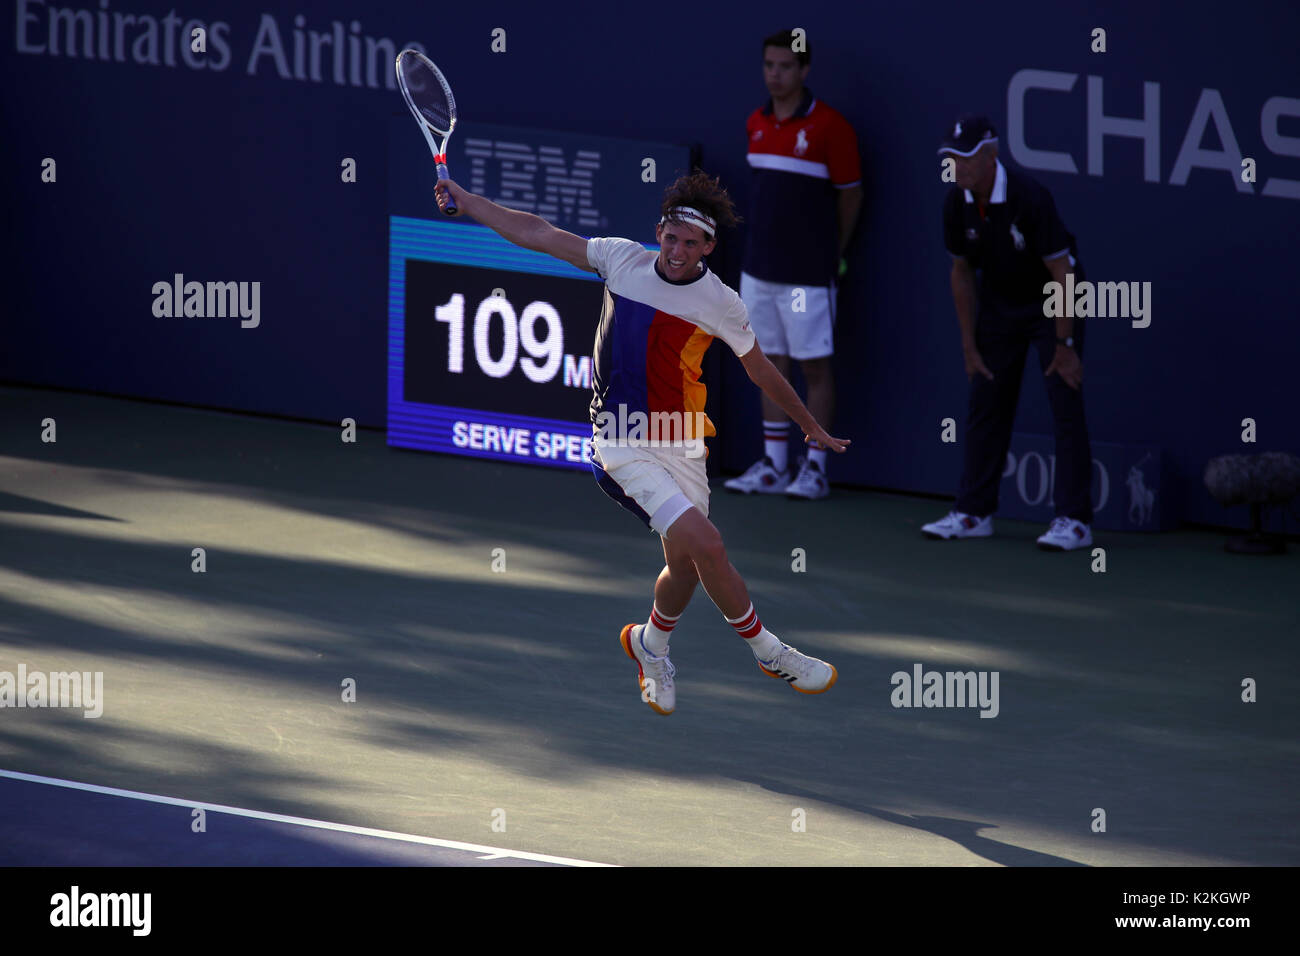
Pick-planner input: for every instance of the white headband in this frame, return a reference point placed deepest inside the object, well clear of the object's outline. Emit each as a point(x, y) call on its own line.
point(693, 216)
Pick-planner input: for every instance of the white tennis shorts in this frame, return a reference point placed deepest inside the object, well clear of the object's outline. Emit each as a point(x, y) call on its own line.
point(664, 482)
point(781, 330)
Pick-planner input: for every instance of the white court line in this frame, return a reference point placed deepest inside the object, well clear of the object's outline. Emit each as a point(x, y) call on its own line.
point(491, 852)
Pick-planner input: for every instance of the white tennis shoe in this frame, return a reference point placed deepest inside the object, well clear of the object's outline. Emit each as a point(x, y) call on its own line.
point(810, 484)
point(807, 675)
point(761, 478)
point(654, 675)
point(1066, 534)
point(958, 524)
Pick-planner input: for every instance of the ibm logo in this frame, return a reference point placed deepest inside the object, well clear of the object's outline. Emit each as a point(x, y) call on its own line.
point(564, 193)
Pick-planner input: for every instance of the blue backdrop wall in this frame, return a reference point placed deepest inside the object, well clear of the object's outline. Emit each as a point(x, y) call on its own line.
point(226, 166)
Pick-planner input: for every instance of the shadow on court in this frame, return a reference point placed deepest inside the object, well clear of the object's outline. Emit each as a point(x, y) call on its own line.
point(485, 697)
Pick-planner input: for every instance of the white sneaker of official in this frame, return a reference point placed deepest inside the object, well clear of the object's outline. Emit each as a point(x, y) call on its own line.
point(760, 478)
point(958, 524)
point(810, 483)
point(1066, 534)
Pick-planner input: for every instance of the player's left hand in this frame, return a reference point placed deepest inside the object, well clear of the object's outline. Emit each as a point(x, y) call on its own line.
point(819, 439)
point(1067, 364)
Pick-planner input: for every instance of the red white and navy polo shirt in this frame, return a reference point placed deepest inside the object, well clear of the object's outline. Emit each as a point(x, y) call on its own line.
point(799, 164)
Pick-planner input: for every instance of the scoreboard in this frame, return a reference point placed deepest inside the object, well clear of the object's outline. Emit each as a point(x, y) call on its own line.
point(489, 345)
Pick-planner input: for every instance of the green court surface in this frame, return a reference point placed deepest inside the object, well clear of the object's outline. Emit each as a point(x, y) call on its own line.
point(486, 697)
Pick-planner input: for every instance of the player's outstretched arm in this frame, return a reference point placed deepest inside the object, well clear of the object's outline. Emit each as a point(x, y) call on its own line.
point(521, 228)
point(764, 374)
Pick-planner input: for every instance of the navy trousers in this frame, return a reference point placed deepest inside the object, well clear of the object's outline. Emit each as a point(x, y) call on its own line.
point(1003, 337)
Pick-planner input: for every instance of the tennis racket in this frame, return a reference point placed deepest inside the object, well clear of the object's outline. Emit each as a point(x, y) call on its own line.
point(428, 94)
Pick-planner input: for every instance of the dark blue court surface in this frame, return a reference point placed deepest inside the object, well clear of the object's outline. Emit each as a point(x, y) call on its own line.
point(45, 825)
point(482, 694)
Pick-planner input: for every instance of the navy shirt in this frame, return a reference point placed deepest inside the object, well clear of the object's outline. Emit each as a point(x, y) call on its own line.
point(1007, 240)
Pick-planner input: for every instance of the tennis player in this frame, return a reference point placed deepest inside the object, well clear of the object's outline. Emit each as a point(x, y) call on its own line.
point(660, 314)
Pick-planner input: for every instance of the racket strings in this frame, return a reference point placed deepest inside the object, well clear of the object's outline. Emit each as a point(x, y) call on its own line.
point(428, 94)
point(436, 112)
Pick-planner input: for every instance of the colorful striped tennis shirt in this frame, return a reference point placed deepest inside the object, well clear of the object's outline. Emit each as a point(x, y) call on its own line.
point(653, 333)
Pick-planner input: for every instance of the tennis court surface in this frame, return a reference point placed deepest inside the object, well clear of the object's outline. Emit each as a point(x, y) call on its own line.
point(495, 713)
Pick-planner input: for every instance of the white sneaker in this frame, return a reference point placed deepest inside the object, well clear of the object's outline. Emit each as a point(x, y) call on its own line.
point(958, 524)
point(761, 478)
point(807, 675)
point(1066, 534)
point(811, 482)
point(654, 675)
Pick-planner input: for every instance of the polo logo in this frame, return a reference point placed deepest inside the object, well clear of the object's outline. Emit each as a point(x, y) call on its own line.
point(972, 234)
point(801, 142)
point(956, 130)
point(758, 134)
point(1017, 238)
point(1141, 498)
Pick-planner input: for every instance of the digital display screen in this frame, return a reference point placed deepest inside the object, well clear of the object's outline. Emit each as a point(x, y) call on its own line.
point(489, 346)
point(480, 338)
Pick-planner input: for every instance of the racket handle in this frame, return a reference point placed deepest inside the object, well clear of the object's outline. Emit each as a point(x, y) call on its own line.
point(451, 208)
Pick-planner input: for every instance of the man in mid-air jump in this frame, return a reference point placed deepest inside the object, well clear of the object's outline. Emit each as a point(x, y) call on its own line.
point(660, 314)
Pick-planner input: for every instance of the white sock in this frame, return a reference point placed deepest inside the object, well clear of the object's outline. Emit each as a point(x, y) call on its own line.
point(818, 457)
point(765, 646)
point(776, 443)
point(761, 641)
point(654, 636)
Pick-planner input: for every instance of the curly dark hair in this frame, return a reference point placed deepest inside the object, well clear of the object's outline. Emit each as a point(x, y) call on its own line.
point(706, 194)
